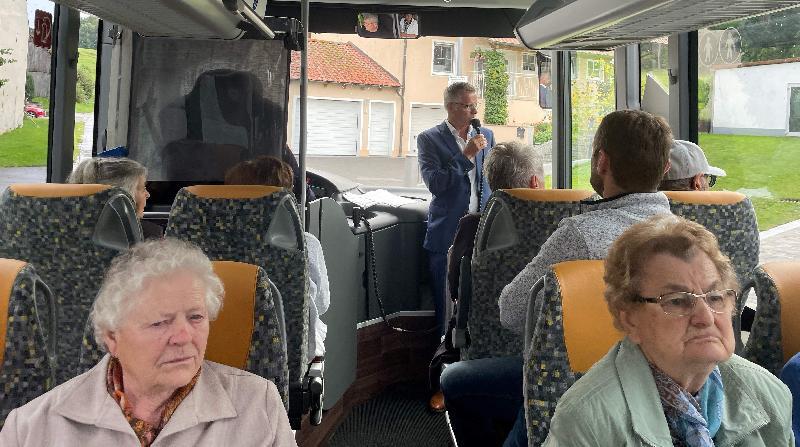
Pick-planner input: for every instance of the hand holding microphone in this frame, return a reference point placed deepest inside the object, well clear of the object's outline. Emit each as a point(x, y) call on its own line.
point(476, 143)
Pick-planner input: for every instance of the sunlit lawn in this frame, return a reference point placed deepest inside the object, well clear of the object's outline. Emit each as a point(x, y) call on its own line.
point(27, 146)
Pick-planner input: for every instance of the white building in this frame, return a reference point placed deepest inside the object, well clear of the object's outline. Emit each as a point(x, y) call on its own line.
point(757, 100)
point(14, 23)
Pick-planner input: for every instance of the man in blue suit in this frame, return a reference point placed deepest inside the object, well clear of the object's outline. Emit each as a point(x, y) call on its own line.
point(451, 161)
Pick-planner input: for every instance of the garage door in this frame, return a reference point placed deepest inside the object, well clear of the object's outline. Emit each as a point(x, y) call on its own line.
point(334, 126)
point(381, 128)
point(424, 117)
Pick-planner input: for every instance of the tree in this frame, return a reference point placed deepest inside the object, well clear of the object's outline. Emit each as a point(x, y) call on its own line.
point(87, 33)
point(495, 91)
point(768, 37)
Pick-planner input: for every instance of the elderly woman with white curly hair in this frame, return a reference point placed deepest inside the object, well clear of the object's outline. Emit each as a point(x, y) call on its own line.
point(154, 388)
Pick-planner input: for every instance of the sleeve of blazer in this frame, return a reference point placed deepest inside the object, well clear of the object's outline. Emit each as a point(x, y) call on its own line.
point(438, 176)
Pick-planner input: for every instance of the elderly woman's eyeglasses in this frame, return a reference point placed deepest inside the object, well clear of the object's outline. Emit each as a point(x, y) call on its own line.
point(682, 303)
point(711, 179)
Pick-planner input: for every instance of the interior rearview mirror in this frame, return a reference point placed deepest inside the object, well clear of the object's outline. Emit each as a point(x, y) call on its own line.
point(388, 26)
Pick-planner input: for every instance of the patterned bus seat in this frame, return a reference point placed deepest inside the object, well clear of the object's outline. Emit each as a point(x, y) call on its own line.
point(257, 225)
point(513, 228)
point(27, 334)
point(568, 330)
point(70, 233)
point(775, 335)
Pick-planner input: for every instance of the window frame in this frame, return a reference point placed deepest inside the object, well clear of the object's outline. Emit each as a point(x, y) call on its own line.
point(453, 59)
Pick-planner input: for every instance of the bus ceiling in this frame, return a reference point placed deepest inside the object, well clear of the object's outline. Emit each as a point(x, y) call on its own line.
point(608, 24)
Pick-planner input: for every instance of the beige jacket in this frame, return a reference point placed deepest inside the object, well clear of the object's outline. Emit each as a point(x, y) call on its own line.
point(226, 407)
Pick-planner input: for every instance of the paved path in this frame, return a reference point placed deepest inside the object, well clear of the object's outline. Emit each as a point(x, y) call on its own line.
point(85, 146)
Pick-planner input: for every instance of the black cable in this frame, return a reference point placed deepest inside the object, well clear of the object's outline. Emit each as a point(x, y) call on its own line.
point(370, 247)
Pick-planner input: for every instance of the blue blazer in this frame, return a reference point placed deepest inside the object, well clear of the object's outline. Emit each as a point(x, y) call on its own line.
point(445, 172)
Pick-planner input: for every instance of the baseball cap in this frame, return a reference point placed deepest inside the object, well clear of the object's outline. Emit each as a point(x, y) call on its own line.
point(687, 160)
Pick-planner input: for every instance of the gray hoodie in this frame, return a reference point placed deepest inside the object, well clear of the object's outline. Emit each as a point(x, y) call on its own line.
point(585, 236)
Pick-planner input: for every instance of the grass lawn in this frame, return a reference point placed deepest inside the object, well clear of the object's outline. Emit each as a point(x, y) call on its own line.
point(80, 107)
point(27, 146)
point(764, 168)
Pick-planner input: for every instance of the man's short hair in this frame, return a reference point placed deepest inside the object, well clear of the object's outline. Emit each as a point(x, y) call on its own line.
point(454, 91)
point(681, 184)
point(511, 165)
point(369, 16)
point(637, 145)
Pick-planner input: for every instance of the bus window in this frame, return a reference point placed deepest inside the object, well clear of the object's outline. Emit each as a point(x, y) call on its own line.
point(749, 114)
point(369, 99)
point(592, 77)
point(654, 64)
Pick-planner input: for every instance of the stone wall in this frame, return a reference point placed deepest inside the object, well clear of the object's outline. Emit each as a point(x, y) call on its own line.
point(14, 35)
point(39, 69)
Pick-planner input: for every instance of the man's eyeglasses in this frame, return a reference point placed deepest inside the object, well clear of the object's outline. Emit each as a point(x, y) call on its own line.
point(468, 106)
point(711, 179)
point(682, 303)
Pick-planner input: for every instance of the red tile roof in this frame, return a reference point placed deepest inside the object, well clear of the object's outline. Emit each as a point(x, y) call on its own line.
point(341, 62)
point(511, 41)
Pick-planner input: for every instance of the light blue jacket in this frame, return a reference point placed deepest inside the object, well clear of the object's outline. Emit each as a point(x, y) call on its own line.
point(616, 404)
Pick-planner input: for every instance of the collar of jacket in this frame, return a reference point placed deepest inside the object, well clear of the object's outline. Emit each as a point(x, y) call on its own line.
point(742, 413)
point(626, 199)
point(89, 403)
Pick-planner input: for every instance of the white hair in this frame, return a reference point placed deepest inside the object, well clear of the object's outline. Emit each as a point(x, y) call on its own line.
point(453, 91)
point(114, 171)
point(155, 259)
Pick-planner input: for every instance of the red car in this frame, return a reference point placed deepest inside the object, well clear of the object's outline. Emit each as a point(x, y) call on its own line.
point(35, 111)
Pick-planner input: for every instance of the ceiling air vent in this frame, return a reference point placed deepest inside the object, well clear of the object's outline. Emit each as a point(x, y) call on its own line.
point(607, 24)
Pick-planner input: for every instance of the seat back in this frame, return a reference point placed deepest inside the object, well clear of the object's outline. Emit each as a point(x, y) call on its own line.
point(27, 353)
point(730, 217)
point(571, 330)
point(70, 233)
point(775, 335)
point(257, 225)
point(248, 333)
point(513, 228)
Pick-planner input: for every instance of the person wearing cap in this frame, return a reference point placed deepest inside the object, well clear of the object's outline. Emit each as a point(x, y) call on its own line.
point(689, 169)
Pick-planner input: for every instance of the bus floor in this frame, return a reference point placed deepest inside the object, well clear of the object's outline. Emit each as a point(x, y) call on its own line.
point(397, 417)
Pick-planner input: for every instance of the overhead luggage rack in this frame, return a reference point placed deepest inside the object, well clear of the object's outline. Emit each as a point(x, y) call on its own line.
point(607, 24)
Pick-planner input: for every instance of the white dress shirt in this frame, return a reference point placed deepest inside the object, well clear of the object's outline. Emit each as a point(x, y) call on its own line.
point(462, 143)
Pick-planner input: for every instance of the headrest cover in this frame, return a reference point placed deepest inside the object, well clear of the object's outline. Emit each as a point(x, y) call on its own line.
point(231, 333)
point(549, 195)
point(53, 190)
point(706, 197)
point(786, 276)
point(232, 191)
point(589, 330)
point(9, 269)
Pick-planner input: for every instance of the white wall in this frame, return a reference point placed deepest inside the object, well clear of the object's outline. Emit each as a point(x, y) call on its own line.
point(753, 100)
point(14, 35)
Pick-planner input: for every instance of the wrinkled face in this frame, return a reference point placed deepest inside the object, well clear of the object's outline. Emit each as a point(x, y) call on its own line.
point(371, 25)
point(141, 197)
point(162, 339)
point(678, 345)
point(465, 108)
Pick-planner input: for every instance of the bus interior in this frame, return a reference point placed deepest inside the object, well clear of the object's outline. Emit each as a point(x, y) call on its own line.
point(191, 88)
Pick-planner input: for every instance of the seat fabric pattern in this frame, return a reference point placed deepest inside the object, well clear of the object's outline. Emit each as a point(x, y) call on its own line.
point(26, 372)
point(736, 229)
point(494, 269)
point(236, 230)
point(55, 235)
point(546, 372)
point(764, 346)
point(267, 353)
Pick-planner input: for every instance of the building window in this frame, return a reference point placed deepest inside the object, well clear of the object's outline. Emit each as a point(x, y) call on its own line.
point(528, 62)
point(594, 69)
point(443, 55)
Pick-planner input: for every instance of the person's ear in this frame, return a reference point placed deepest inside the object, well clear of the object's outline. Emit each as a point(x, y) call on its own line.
point(535, 183)
point(603, 163)
point(697, 182)
point(631, 325)
point(667, 166)
point(110, 339)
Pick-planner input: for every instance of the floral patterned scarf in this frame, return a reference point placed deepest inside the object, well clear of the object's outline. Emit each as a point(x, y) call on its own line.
point(145, 431)
point(693, 420)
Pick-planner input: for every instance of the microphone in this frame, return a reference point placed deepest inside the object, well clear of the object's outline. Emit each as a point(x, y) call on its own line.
point(476, 123)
